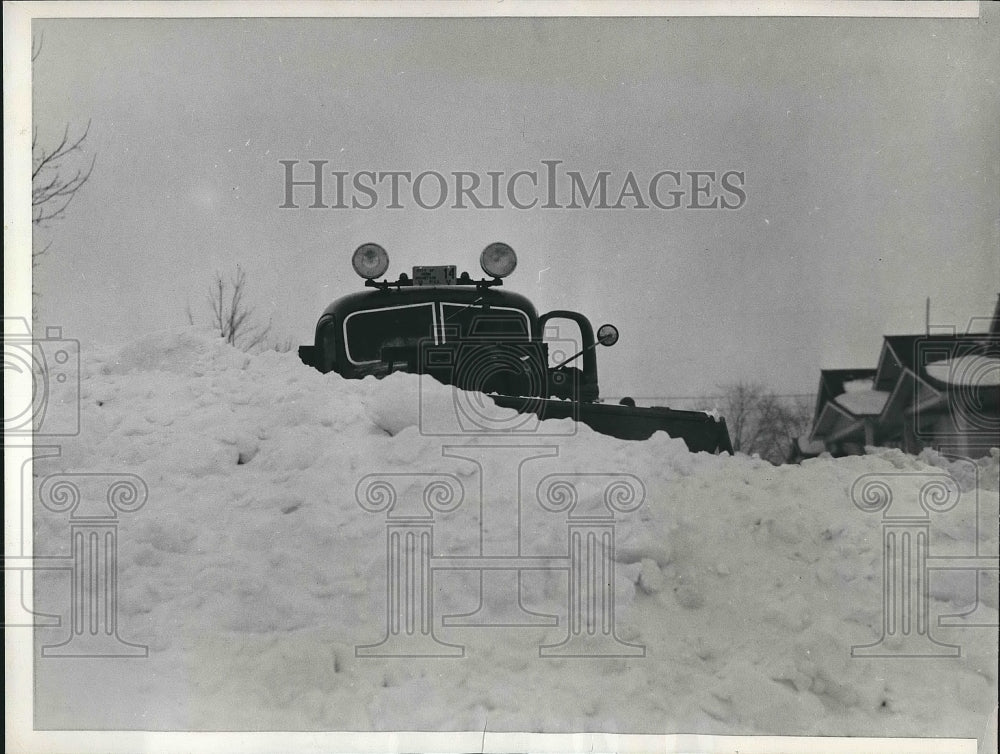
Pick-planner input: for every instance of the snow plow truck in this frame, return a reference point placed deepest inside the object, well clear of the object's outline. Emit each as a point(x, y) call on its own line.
point(474, 336)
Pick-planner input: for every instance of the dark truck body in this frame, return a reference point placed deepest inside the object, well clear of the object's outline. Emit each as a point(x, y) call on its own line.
point(471, 335)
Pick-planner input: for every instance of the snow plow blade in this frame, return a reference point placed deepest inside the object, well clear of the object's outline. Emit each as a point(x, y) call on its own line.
point(698, 430)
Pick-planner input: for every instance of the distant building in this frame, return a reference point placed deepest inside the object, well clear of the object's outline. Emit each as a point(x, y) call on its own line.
point(937, 391)
point(847, 408)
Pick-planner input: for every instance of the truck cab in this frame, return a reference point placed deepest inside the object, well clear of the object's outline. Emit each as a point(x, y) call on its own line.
point(464, 332)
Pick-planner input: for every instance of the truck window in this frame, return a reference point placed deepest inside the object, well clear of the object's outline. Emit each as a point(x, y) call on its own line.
point(502, 323)
point(367, 332)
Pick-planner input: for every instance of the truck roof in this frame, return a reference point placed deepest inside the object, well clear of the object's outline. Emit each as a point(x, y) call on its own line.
point(419, 294)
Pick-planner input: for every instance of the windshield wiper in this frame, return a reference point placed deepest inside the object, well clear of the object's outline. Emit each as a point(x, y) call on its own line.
point(468, 306)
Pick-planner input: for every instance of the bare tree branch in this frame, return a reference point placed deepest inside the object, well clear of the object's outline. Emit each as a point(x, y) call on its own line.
point(52, 188)
point(232, 317)
point(55, 180)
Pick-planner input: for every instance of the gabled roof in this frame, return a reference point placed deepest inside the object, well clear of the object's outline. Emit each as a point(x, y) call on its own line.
point(836, 424)
point(918, 376)
point(915, 352)
point(842, 408)
point(970, 370)
point(896, 355)
point(831, 384)
point(909, 394)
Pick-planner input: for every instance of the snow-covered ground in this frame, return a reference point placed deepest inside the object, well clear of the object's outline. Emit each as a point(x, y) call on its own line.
point(252, 572)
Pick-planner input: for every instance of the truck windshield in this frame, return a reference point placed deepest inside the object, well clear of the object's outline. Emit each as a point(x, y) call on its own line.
point(367, 332)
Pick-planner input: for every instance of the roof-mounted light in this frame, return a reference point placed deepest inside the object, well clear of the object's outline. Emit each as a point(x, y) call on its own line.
point(370, 261)
point(498, 260)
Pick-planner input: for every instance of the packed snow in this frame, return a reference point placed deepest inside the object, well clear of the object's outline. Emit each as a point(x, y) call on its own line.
point(252, 573)
point(859, 386)
point(974, 370)
point(863, 402)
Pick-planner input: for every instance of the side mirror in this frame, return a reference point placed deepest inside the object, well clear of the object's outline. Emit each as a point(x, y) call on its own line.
point(607, 335)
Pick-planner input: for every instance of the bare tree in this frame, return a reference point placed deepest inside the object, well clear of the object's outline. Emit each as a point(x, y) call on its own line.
point(52, 186)
point(54, 180)
point(233, 316)
point(740, 403)
point(762, 422)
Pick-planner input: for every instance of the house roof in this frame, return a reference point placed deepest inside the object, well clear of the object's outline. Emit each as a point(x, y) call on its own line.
point(917, 375)
point(836, 424)
point(915, 352)
point(968, 370)
point(831, 384)
point(910, 394)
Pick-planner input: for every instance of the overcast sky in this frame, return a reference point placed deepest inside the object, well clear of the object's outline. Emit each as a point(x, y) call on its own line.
point(870, 149)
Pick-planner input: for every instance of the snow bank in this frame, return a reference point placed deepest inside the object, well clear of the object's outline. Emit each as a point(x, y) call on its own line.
point(252, 572)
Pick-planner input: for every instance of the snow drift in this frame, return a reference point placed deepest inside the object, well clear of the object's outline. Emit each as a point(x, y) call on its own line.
point(252, 573)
